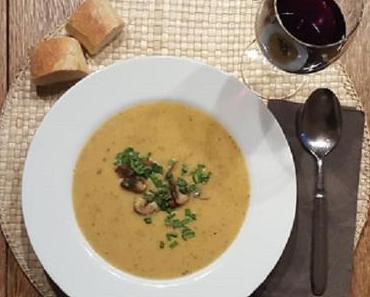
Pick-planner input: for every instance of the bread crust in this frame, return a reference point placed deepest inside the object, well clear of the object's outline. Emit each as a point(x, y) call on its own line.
point(57, 60)
point(95, 23)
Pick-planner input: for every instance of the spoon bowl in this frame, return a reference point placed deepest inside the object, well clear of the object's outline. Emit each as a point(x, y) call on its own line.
point(320, 123)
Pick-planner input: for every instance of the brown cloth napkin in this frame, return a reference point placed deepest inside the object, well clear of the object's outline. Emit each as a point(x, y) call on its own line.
point(291, 276)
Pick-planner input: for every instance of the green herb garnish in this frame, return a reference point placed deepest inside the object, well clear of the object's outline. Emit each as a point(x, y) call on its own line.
point(186, 221)
point(163, 188)
point(175, 223)
point(182, 185)
point(171, 215)
point(190, 214)
point(188, 189)
point(184, 170)
point(173, 244)
point(200, 175)
point(161, 197)
point(141, 165)
point(157, 181)
point(171, 236)
point(157, 168)
point(187, 234)
point(148, 220)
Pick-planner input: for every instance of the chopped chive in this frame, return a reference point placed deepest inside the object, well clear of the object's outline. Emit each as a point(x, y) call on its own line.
point(148, 220)
point(171, 215)
point(161, 244)
point(187, 236)
point(171, 236)
point(157, 168)
point(172, 162)
point(182, 185)
point(184, 170)
point(190, 214)
point(137, 163)
point(169, 220)
point(194, 190)
point(187, 233)
point(186, 221)
point(186, 230)
point(200, 175)
point(157, 182)
point(176, 224)
point(173, 244)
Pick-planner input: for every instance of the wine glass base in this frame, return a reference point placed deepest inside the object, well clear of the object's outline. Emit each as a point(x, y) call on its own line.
point(266, 80)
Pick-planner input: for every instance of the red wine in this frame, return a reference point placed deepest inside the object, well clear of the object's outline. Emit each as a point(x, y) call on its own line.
point(318, 22)
point(301, 36)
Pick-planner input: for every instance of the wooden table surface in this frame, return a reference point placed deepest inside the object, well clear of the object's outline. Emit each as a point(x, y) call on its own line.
point(23, 23)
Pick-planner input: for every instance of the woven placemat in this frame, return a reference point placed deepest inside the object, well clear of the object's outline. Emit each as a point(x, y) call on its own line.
point(215, 32)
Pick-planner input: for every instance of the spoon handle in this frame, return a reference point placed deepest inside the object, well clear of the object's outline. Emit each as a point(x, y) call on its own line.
point(319, 245)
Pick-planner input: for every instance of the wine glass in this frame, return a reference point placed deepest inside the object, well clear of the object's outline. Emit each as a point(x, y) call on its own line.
point(297, 37)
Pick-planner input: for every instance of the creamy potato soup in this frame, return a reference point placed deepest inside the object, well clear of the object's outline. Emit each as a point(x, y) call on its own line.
point(160, 190)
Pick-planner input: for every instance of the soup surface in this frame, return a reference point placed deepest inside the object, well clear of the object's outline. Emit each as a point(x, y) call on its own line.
point(105, 211)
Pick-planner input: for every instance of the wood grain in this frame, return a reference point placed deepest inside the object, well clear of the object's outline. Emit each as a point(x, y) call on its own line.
point(30, 20)
point(17, 283)
point(3, 50)
point(3, 266)
point(361, 269)
point(3, 89)
point(357, 64)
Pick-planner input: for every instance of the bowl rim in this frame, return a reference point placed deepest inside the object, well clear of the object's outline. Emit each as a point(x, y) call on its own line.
point(150, 63)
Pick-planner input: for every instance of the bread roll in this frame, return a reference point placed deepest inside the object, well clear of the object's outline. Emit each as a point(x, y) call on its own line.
point(95, 24)
point(57, 60)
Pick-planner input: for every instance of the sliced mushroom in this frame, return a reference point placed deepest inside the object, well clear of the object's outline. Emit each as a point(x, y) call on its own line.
point(173, 188)
point(177, 198)
point(134, 184)
point(182, 198)
point(142, 207)
point(173, 192)
point(168, 174)
point(172, 204)
point(148, 163)
point(124, 171)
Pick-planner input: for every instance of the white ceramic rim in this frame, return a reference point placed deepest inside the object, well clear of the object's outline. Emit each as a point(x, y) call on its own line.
point(48, 174)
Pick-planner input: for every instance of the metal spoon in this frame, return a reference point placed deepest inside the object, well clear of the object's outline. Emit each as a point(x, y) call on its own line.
point(319, 125)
